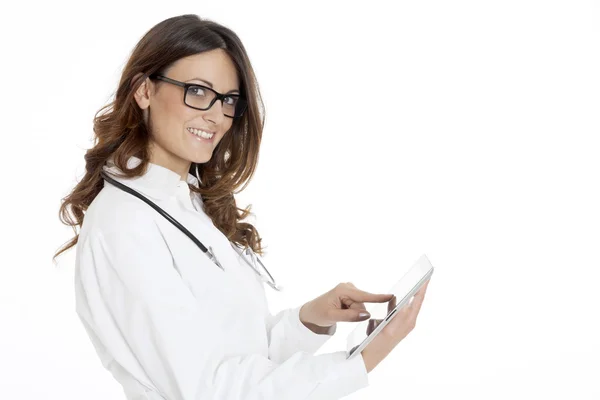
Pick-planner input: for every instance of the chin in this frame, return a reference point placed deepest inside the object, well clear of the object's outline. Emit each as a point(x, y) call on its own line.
point(201, 160)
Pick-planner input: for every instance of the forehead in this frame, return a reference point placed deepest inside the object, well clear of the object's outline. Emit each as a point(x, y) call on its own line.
point(214, 66)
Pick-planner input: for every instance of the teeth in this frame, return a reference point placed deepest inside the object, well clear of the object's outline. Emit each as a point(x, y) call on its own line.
point(200, 133)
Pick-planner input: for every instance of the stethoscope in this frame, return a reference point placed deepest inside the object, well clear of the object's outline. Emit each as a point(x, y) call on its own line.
point(247, 254)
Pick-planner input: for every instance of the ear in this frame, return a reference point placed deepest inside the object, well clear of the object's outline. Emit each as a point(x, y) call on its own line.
point(142, 94)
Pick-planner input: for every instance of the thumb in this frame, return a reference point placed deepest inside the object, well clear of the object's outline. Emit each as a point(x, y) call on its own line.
point(350, 315)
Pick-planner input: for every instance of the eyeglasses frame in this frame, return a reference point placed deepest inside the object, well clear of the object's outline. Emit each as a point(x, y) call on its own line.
point(186, 86)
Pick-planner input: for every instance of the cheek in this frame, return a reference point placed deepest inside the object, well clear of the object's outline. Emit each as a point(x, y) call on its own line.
point(171, 120)
point(176, 113)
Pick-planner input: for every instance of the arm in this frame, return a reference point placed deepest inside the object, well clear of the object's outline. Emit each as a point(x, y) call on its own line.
point(137, 298)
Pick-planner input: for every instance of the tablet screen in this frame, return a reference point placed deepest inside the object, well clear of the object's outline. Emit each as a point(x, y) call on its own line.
point(403, 292)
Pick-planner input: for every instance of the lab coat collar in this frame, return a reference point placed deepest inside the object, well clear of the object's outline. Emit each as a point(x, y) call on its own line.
point(158, 182)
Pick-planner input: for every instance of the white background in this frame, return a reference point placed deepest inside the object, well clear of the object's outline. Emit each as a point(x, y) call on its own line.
point(466, 130)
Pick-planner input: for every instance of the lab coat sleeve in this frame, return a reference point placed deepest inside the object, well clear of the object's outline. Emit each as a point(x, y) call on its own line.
point(288, 335)
point(135, 295)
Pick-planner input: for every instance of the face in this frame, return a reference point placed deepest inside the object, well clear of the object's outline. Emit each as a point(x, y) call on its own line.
point(172, 145)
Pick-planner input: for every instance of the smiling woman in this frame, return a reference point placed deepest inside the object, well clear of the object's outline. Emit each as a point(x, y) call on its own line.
point(149, 119)
point(185, 129)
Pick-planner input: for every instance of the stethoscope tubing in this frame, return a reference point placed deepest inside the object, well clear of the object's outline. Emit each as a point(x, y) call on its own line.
point(165, 214)
point(244, 253)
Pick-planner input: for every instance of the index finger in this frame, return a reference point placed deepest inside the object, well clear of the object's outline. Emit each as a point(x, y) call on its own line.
point(362, 296)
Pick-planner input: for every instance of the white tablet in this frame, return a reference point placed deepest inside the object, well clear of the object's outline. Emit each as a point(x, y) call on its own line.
point(382, 313)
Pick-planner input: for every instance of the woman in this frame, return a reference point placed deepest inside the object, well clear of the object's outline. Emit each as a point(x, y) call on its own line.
point(168, 320)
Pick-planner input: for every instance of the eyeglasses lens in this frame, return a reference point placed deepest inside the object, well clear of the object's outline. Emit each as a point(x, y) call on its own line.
point(199, 97)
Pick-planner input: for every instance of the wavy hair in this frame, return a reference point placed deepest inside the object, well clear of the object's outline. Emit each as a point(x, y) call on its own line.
point(121, 132)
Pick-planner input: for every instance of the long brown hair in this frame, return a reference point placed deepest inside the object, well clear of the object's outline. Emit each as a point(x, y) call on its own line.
point(121, 132)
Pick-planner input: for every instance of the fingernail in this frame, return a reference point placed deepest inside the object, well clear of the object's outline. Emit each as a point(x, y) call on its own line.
point(363, 315)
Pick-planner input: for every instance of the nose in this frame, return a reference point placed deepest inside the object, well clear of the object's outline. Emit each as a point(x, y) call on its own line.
point(215, 112)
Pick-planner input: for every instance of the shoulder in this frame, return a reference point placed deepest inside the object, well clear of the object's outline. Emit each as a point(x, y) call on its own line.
point(120, 233)
point(115, 212)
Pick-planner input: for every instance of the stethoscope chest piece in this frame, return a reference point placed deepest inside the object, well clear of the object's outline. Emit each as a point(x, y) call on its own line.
point(211, 254)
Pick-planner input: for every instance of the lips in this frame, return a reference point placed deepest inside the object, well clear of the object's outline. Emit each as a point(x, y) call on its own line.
point(201, 135)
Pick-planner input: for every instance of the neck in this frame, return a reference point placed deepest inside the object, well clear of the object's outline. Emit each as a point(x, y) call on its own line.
point(167, 160)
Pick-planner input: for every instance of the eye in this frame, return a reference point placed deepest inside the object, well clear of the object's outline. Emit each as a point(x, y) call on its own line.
point(197, 91)
point(231, 100)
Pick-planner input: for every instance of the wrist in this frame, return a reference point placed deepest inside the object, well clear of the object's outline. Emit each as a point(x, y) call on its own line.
point(316, 328)
point(375, 352)
point(370, 363)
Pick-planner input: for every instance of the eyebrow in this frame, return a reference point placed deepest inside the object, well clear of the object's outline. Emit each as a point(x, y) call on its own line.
point(210, 84)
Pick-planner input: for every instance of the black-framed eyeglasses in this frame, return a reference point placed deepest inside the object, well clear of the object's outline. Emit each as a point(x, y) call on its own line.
point(201, 97)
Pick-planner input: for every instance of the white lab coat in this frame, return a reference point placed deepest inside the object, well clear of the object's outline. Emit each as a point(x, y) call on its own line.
point(171, 325)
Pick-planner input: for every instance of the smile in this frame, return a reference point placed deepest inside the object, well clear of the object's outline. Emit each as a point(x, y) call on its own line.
point(203, 134)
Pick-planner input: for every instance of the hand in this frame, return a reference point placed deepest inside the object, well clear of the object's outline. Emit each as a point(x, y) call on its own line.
point(393, 333)
point(374, 322)
point(345, 302)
